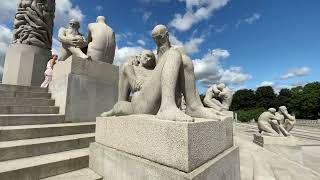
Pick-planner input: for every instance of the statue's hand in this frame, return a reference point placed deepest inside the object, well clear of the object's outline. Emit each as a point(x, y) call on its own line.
point(138, 85)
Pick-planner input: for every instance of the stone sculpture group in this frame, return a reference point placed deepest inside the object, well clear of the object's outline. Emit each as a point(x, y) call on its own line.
point(172, 76)
point(218, 97)
point(100, 42)
point(275, 123)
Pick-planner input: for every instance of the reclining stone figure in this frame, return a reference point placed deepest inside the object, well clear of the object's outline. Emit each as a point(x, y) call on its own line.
point(173, 74)
point(218, 97)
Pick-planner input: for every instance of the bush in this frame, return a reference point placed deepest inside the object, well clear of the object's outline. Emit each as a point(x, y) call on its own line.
point(247, 115)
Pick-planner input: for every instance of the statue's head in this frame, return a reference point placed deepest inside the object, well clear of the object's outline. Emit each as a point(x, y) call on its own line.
point(283, 109)
point(74, 24)
point(101, 19)
point(148, 59)
point(221, 86)
point(272, 110)
point(160, 34)
point(54, 57)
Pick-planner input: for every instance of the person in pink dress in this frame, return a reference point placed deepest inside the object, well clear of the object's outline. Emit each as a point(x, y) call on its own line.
point(49, 71)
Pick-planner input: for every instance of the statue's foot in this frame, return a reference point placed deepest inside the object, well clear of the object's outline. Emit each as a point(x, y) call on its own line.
point(107, 114)
point(202, 112)
point(173, 114)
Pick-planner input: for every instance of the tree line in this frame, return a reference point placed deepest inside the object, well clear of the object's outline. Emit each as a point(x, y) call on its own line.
point(301, 101)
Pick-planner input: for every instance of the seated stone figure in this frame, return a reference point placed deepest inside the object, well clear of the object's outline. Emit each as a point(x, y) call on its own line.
point(287, 121)
point(72, 41)
point(173, 75)
point(269, 124)
point(218, 97)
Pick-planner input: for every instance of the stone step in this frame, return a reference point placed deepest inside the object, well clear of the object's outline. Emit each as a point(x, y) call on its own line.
point(7, 87)
point(82, 174)
point(10, 150)
point(10, 133)
point(13, 101)
point(25, 94)
point(30, 119)
point(29, 110)
point(39, 167)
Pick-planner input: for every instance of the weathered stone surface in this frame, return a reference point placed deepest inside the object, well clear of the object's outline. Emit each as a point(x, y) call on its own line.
point(117, 165)
point(271, 140)
point(84, 89)
point(25, 64)
point(183, 146)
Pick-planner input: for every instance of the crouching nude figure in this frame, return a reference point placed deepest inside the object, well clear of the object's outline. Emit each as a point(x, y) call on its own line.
point(287, 121)
point(269, 124)
point(218, 97)
point(173, 74)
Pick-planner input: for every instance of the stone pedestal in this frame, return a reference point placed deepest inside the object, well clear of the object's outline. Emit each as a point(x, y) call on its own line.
point(25, 65)
point(284, 146)
point(84, 89)
point(143, 147)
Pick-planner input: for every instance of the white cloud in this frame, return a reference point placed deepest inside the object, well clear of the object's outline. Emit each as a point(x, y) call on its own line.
point(141, 42)
point(191, 46)
point(146, 15)
point(303, 71)
point(249, 20)
point(122, 54)
point(155, 1)
point(208, 70)
point(266, 83)
point(5, 39)
point(98, 8)
point(8, 10)
point(196, 11)
point(65, 11)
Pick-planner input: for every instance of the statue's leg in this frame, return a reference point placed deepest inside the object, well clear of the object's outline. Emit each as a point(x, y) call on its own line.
point(208, 102)
point(195, 107)
point(289, 125)
point(284, 131)
point(275, 126)
point(121, 108)
point(77, 52)
point(124, 84)
point(267, 129)
point(64, 54)
point(169, 79)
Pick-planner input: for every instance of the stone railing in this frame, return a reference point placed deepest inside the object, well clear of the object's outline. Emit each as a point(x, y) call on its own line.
point(304, 122)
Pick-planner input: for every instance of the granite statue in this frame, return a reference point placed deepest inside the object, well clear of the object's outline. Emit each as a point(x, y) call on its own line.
point(72, 41)
point(287, 121)
point(218, 97)
point(173, 75)
point(33, 23)
point(101, 41)
point(269, 124)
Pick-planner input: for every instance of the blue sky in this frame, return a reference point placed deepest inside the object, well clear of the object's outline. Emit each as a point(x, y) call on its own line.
point(245, 43)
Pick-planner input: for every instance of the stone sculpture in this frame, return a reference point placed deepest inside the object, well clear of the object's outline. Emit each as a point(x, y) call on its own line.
point(269, 124)
point(218, 97)
point(33, 24)
point(287, 121)
point(173, 75)
point(72, 41)
point(102, 42)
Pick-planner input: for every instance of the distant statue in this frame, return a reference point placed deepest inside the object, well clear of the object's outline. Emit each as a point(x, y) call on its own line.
point(173, 75)
point(49, 71)
point(269, 124)
point(218, 97)
point(102, 41)
point(33, 24)
point(287, 121)
point(72, 41)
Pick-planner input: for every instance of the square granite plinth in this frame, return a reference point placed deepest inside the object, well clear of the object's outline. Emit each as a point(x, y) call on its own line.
point(25, 65)
point(117, 165)
point(262, 140)
point(182, 146)
point(84, 89)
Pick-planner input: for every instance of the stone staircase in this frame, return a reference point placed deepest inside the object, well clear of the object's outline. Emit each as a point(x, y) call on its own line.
point(36, 142)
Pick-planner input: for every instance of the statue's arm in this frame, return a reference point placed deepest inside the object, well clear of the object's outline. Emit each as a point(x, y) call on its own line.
point(63, 38)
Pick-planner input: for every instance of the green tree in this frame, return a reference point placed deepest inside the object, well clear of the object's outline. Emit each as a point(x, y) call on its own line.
point(243, 100)
point(283, 99)
point(265, 97)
